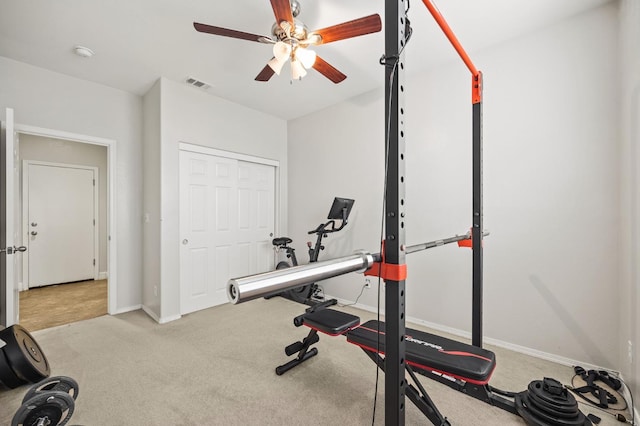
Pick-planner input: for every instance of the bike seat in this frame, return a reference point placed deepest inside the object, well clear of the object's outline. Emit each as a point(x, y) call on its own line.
point(281, 241)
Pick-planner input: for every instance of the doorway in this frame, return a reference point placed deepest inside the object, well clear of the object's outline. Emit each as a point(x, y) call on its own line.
point(77, 161)
point(61, 220)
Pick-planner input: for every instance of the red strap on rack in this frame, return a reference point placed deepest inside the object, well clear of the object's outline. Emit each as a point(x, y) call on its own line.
point(387, 271)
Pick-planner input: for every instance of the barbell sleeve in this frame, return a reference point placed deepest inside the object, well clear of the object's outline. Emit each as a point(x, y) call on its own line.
point(252, 287)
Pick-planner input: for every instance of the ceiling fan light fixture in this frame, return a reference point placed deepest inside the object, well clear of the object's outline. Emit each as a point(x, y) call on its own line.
point(314, 39)
point(276, 65)
point(297, 70)
point(306, 57)
point(281, 51)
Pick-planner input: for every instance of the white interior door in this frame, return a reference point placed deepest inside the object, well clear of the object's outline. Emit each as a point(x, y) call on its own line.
point(9, 297)
point(61, 223)
point(226, 221)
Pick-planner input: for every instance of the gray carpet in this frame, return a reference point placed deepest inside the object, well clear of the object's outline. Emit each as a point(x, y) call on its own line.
point(216, 367)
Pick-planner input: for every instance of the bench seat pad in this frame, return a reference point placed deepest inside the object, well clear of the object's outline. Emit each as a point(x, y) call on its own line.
point(430, 352)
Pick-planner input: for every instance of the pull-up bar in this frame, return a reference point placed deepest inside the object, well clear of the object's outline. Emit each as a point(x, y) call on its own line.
point(476, 76)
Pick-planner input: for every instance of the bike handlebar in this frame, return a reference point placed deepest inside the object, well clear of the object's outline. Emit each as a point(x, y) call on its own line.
point(323, 227)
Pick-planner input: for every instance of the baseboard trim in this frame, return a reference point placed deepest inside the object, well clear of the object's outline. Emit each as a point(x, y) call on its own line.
point(164, 320)
point(495, 342)
point(160, 319)
point(103, 275)
point(152, 314)
point(127, 309)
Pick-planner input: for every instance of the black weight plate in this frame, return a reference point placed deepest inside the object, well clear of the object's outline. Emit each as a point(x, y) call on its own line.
point(58, 383)
point(24, 355)
point(7, 376)
point(50, 408)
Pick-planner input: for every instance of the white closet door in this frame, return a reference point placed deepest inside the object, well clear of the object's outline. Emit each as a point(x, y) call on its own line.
point(226, 217)
point(255, 217)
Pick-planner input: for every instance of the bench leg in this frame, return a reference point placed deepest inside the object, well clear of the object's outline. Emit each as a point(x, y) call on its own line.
point(304, 352)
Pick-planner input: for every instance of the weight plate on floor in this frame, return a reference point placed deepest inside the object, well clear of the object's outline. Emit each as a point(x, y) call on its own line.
point(46, 408)
point(7, 376)
point(58, 383)
point(25, 357)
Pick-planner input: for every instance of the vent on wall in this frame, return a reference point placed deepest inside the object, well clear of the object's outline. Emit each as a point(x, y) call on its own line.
point(197, 83)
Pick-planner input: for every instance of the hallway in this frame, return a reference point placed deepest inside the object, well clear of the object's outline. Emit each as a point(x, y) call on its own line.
point(60, 304)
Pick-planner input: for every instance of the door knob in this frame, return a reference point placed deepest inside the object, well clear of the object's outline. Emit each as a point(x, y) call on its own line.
point(34, 224)
point(34, 233)
point(11, 250)
point(185, 242)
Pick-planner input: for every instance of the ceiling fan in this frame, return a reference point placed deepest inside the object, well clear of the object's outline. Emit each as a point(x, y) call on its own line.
point(291, 40)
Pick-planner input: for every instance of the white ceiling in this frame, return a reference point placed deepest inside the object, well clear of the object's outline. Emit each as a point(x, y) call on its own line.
point(137, 41)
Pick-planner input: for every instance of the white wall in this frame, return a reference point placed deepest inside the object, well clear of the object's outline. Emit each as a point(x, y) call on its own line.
point(629, 299)
point(193, 116)
point(46, 99)
point(68, 152)
point(151, 201)
point(551, 178)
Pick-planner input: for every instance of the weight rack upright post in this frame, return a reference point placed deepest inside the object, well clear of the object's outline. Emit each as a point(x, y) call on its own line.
point(394, 238)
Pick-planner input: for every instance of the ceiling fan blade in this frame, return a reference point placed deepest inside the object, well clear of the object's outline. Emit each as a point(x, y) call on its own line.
point(209, 29)
point(357, 27)
point(266, 73)
point(328, 70)
point(282, 10)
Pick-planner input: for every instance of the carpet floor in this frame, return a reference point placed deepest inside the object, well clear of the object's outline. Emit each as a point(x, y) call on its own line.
point(216, 367)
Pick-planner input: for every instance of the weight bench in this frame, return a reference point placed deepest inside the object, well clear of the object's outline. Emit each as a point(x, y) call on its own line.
point(463, 367)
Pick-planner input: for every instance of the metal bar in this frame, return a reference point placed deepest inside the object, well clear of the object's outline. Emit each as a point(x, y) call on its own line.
point(476, 237)
point(395, 26)
point(448, 32)
point(253, 286)
point(437, 243)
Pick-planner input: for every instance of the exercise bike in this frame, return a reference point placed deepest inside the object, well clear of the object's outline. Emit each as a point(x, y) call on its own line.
point(309, 294)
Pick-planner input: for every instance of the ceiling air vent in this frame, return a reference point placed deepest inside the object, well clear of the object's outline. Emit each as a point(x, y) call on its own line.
point(197, 83)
